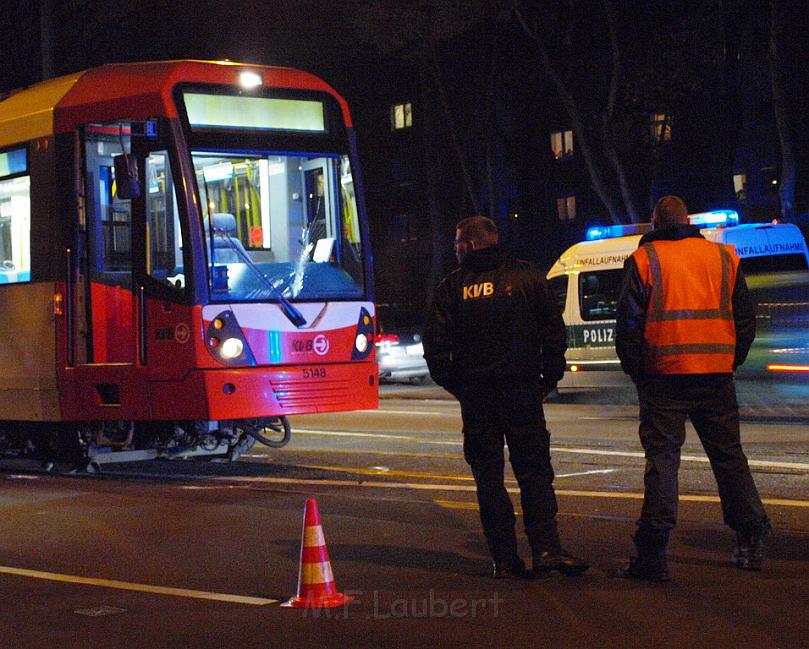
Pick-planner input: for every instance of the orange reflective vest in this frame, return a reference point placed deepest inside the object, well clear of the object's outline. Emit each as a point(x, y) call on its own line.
point(689, 318)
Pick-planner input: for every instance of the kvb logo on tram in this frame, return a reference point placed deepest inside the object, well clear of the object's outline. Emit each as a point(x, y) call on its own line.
point(320, 345)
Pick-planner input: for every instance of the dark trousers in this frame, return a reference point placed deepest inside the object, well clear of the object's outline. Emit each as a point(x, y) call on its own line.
point(512, 414)
point(709, 400)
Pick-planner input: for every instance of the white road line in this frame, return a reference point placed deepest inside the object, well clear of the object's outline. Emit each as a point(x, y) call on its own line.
point(578, 473)
point(764, 464)
point(142, 588)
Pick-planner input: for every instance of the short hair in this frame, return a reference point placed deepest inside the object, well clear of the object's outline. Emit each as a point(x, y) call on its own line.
point(670, 210)
point(480, 229)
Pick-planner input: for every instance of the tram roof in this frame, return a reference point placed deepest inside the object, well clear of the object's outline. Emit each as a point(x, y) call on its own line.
point(128, 90)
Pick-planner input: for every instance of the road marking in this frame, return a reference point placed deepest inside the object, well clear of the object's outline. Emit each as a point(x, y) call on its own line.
point(385, 411)
point(591, 472)
point(340, 451)
point(450, 504)
point(421, 486)
point(388, 472)
point(763, 464)
point(142, 588)
point(800, 466)
point(429, 476)
point(402, 438)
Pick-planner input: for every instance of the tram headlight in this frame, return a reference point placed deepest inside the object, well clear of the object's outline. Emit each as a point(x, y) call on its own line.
point(232, 348)
point(226, 341)
point(363, 336)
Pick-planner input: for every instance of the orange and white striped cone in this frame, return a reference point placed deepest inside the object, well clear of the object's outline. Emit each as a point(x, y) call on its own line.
point(316, 587)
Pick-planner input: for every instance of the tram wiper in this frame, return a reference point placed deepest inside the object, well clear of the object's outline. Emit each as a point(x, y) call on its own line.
point(289, 310)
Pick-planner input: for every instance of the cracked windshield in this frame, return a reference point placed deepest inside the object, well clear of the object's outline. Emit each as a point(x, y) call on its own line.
point(280, 226)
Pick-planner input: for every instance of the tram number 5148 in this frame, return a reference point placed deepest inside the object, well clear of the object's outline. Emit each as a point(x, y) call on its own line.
point(314, 372)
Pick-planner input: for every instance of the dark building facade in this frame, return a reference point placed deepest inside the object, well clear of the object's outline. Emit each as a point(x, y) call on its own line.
point(472, 122)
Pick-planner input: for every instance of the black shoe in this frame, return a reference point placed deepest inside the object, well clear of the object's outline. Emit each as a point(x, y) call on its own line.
point(514, 569)
point(559, 560)
point(749, 553)
point(648, 568)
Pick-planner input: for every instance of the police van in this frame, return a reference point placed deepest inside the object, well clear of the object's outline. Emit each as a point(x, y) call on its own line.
point(587, 278)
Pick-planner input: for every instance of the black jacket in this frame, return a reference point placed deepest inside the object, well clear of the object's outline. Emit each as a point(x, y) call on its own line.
point(633, 301)
point(494, 319)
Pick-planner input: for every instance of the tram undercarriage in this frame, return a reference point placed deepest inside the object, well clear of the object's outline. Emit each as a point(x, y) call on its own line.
point(86, 445)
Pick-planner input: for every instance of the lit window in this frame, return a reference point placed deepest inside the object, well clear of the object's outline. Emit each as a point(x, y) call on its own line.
point(15, 218)
point(562, 144)
point(401, 116)
point(566, 208)
point(740, 185)
point(660, 128)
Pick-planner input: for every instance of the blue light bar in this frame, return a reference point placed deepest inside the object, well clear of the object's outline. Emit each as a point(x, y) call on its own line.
point(715, 218)
point(598, 232)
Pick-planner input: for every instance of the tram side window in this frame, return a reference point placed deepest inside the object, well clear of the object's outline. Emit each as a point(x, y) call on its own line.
point(598, 293)
point(109, 219)
point(15, 218)
point(164, 255)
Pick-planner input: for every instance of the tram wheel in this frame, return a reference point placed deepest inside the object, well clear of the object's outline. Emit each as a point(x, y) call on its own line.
point(275, 432)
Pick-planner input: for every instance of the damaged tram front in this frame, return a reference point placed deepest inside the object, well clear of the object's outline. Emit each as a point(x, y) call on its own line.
point(187, 261)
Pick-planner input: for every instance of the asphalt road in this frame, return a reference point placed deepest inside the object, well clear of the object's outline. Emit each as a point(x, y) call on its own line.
point(198, 554)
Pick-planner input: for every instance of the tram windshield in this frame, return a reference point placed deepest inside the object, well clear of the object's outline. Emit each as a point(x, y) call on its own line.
point(280, 225)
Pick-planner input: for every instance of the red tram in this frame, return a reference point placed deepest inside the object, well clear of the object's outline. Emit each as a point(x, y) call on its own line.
point(184, 260)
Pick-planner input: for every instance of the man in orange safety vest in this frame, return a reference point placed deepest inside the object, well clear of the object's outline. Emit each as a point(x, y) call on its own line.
point(685, 322)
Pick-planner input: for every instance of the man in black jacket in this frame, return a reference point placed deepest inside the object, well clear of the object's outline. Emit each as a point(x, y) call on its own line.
point(495, 339)
point(685, 322)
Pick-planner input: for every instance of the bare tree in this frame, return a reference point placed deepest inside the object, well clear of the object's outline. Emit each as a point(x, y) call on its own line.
point(609, 112)
point(536, 29)
point(786, 190)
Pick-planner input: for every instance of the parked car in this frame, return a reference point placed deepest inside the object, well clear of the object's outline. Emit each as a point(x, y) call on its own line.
point(399, 351)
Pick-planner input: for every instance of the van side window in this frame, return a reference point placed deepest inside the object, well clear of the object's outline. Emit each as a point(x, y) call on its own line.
point(773, 264)
point(598, 293)
point(558, 287)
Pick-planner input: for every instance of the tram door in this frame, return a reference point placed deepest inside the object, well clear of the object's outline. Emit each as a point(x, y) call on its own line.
point(106, 327)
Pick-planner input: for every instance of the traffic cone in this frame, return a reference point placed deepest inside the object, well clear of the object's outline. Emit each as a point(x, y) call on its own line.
point(316, 587)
